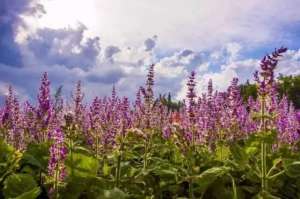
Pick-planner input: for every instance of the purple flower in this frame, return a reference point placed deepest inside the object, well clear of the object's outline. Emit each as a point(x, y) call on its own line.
point(166, 132)
point(267, 65)
point(44, 95)
point(298, 116)
point(58, 154)
point(191, 95)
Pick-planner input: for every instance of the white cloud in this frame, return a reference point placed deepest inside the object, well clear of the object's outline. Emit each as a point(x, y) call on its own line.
point(191, 24)
point(235, 66)
point(290, 63)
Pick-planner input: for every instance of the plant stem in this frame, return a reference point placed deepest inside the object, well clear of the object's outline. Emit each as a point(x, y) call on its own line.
point(264, 183)
point(145, 155)
point(147, 147)
point(118, 170)
point(56, 183)
point(221, 151)
point(97, 146)
point(190, 169)
point(191, 189)
point(263, 166)
point(235, 196)
point(277, 174)
point(71, 155)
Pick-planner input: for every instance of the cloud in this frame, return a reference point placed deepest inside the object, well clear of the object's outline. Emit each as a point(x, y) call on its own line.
point(150, 43)
point(66, 47)
point(110, 51)
point(10, 21)
point(192, 24)
point(190, 38)
point(290, 63)
point(106, 76)
point(233, 64)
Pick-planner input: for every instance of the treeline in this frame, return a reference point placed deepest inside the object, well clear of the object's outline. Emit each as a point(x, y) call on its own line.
point(287, 86)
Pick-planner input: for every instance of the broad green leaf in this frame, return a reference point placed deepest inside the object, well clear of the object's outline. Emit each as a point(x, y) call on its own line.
point(37, 155)
point(82, 165)
point(77, 187)
point(265, 195)
point(6, 151)
point(114, 193)
point(207, 177)
point(239, 155)
point(18, 184)
point(292, 168)
point(34, 193)
point(9, 159)
point(222, 152)
point(268, 137)
point(106, 169)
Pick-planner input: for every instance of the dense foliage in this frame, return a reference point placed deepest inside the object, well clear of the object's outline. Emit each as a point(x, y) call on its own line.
point(288, 86)
point(210, 146)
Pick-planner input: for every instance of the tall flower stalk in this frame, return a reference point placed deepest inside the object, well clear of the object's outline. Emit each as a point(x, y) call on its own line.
point(266, 89)
point(191, 95)
point(58, 154)
point(44, 110)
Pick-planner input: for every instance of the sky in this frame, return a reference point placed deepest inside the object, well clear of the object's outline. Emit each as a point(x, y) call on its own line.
point(112, 42)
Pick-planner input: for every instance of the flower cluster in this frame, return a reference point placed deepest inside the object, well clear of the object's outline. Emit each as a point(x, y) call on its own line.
point(202, 118)
point(58, 153)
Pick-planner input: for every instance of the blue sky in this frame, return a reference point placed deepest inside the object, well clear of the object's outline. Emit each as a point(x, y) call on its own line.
point(106, 42)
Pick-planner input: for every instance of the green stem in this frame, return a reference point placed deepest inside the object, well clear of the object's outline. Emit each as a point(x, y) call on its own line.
point(221, 151)
point(190, 166)
point(272, 169)
point(191, 189)
point(145, 155)
point(56, 183)
point(147, 148)
point(71, 155)
point(235, 196)
point(97, 146)
point(264, 183)
point(118, 170)
point(277, 174)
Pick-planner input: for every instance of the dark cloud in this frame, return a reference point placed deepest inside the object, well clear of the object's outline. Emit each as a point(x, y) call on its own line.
point(108, 77)
point(150, 43)
point(64, 47)
point(110, 51)
point(185, 53)
point(10, 20)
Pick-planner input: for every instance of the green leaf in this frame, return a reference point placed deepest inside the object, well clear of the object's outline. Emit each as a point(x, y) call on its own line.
point(18, 184)
point(268, 137)
point(265, 195)
point(34, 193)
point(114, 193)
point(252, 146)
point(37, 155)
point(106, 169)
point(9, 159)
point(292, 168)
point(222, 152)
point(6, 151)
point(239, 155)
point(82, 165)
point(83, 187)
point(206, 178)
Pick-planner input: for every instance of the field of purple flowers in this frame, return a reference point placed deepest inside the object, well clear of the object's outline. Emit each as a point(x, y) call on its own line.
point(212, 145)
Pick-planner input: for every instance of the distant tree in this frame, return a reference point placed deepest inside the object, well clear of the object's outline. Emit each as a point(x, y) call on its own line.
point(287, 85)
point(290, 86)
point(248, 90)
point(169, 103)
